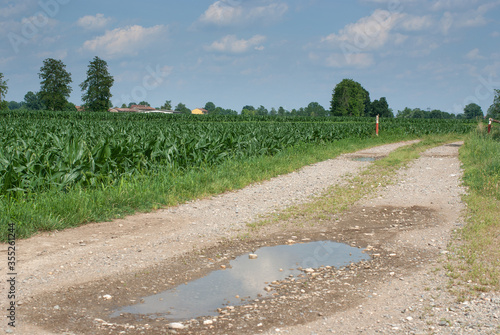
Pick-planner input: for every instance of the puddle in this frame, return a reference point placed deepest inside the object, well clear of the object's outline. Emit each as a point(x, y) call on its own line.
point(364, 159)
point(245, 278)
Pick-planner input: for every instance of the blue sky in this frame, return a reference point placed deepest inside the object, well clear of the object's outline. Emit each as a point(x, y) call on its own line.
point(440, 54)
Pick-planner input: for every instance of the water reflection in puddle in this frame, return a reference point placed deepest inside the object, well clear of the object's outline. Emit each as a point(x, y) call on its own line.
point(245, 278)
point(364, 159)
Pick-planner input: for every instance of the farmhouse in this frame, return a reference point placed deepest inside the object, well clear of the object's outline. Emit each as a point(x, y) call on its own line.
point(199, 111)
point(141, 109)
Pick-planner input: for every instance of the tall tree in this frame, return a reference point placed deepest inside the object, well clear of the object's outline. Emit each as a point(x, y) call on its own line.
point(494, 109)
point(381, 107)
point(315, 109)
point(3, 87)
point(33, 101)
point(97, 87)
point(262, 110)
point(12, 105)
point(55, 86)
point(472, 110)
point(368, 104)
point(210, 107)
point(348, 99)
point(167, 105)
point(248, 108)
point(182, 108)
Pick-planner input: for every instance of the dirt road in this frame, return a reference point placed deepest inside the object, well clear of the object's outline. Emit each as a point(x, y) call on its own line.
point(70, 282)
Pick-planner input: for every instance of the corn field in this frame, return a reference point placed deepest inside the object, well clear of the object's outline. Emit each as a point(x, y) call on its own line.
point(45, 150)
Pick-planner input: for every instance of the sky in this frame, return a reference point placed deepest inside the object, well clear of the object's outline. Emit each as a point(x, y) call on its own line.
point(441, 54)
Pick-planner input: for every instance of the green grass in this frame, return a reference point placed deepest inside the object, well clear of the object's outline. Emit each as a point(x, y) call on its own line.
point(55, 210)
point(475, 267)
point(341, 197)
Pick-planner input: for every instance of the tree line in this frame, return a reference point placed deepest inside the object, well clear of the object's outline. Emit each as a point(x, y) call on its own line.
point(55, 88)
point(349, 98)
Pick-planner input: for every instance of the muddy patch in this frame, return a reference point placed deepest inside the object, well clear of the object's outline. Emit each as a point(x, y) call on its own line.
point(311, 293)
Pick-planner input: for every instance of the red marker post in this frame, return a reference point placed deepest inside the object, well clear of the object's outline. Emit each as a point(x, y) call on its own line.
point(489, 124)
point(376, 127)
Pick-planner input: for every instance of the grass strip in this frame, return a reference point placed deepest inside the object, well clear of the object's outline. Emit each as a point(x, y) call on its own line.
point(474, 264)
point(52, 210)
point(340, 197)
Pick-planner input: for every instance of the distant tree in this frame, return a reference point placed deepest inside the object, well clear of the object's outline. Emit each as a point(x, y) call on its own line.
point(70, 107)
point(131, 104)
point(97, 86)
point(281, 111)
point(447, 115)
point(368, 105)
point(217, 111)
point(436, 114)
point(472, 111)
point(230, 112)
point(247, 107)
point(167, 105)
point(380, 107)
point(13, 105)
point(273, 111)
point(405, 113)
point(348, 99)
point(124, 106)
point(144, 103)
point(4, 88)
point(210, 107)
point(494, 109)
point(182, 108)
point(33, 101)
point(262, 110)
point(55, 86)
point(248, 111)
point(315, 109)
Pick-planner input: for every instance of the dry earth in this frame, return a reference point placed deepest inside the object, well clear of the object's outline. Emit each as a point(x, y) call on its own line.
point(65, 277)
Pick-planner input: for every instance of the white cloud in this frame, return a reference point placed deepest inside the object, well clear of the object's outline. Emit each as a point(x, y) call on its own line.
point(359, 60)
point(230, 12)
point(475, 18)
point(125, 41)
point(451, 4)
point(446, 22)
point(12, 10)
point(90, 22)
point(232, 44)
point(469, 18)
point(474, 55)
point(368, 33)
point(416, 23)
point(341, 60)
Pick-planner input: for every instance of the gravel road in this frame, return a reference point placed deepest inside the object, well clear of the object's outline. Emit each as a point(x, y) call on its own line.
point(64, 275)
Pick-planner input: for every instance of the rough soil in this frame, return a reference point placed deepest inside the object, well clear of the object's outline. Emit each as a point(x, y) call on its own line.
point(65, 277)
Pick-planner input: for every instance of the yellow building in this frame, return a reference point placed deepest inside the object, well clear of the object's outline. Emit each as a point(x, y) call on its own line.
point(199, 111)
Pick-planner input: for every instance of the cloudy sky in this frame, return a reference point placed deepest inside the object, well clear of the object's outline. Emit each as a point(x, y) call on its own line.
point(440, 54)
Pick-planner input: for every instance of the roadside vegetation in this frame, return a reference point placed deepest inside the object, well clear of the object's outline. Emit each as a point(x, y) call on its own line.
point(65, 169)
point(474, 265)
point(341, 197)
